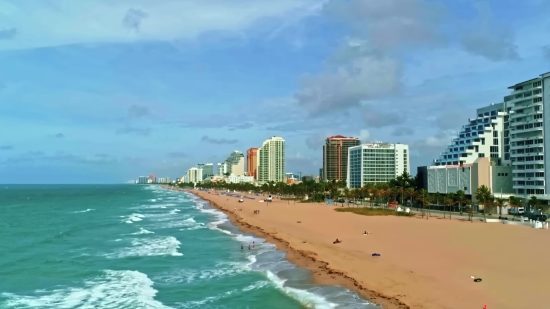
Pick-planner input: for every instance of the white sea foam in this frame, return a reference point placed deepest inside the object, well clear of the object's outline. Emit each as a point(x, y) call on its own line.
point(220, 270)
point(113, 290)
point(143, 231)
point(308, 299)
point(174, 211)
point(81, 211)
point(134, 218)
point(153, 246)
point(210, 299)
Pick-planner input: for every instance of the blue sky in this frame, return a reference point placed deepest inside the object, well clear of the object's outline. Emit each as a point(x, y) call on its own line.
point(102, 91)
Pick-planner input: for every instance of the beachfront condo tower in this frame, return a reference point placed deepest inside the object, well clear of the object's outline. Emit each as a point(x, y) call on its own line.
point(481, 137)
point(207, 170)
point(222, 169)
point(376, 163)
point(335, 157)
point(252, 162)
point(194, 174)
point(526, 131)
point(512, 135)
point(235, 163)
point(271, 160)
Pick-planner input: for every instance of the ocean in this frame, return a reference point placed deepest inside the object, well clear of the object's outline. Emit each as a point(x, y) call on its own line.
point(141, 246)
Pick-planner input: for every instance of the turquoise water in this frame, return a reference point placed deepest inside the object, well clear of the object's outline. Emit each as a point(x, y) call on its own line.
point(131, 246)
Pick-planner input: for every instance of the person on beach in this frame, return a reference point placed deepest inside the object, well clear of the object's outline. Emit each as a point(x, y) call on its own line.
point(253, 244)
point(248, 247)
point(242, 248)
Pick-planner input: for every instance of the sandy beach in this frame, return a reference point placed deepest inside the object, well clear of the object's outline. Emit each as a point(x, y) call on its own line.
point(423, 263)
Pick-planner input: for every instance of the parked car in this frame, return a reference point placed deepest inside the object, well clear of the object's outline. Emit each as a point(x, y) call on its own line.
point(537, 217)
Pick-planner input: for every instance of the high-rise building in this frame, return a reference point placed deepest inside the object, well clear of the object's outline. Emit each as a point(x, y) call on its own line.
point(376, 162)
point(482, 137)
point(163, 180)
point(153, 178)
point(252, 162)
point(235, 163)
point(222, 169)
point(194, 174)
point(271, 160)
point(207, 170)
point(143, 179)
point(335, 157)
point(524, 135)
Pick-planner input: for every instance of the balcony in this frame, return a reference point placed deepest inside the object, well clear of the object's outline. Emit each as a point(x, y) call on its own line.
point(527, 130)
point(516, 115)
point(525, 138)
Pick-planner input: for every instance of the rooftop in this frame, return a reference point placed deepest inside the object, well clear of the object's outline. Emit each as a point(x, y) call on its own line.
point(341, 137)
point(522, 83)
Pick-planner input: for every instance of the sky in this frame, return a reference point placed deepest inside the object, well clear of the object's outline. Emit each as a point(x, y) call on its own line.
point(100, 91)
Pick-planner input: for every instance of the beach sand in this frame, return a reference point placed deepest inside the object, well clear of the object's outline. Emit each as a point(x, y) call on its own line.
point(423, 263)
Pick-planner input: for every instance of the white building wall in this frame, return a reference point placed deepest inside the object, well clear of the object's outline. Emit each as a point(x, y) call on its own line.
point(528, 146)
point(240, 179)
point(271, 160)
point(222, 169)
point(238, 168)
point(376, 163)
point(449, 179)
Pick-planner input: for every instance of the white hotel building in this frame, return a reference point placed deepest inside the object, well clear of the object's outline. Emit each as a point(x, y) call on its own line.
point(527, 133)
point(512, 134)
point(481, 137)
point(376, 162)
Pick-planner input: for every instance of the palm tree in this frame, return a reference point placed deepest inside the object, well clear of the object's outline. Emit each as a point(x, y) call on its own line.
point(460, 198)
point(424, 198)
point(499, 202)
point(514, 202)
point(410, 193)
point(449, 202)
point(535, 203)
point(482, 196)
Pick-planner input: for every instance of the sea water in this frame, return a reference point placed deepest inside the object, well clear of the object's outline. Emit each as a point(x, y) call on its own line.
point(141, 246)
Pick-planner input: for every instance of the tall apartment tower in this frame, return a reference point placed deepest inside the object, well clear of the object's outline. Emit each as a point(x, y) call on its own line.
point(483, 136)
point(376, 162)
point(526, 132)
point(235, 163)
point(252, 162)
point(194, 174)
point(335, 157)
point(271, 160)
point(207, 170)
point(222, 168)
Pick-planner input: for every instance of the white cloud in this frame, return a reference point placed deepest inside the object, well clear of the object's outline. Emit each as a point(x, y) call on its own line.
point(63, 22)
point(364, 136)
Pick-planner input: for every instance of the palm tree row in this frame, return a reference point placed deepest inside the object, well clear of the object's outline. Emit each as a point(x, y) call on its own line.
point(404, 190)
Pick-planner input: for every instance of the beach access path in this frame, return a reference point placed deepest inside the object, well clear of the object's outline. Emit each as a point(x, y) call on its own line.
point(423, 263)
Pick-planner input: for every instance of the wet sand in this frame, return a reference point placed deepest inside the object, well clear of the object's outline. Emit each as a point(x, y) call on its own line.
point(423, 263)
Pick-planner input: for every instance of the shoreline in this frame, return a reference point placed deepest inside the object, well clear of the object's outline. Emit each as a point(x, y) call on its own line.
point(322, 274)
point(424, 264)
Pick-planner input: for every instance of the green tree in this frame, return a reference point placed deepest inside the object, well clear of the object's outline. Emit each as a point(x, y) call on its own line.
point(514, 202)
point(483, 195)
point(499, 202)
point(460, 198)
point(535, 203)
